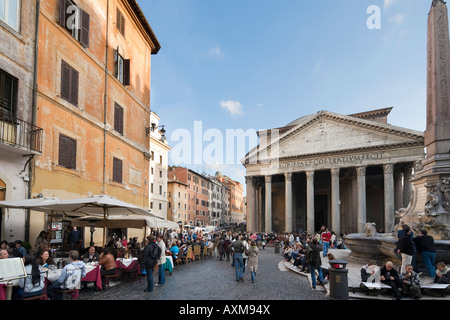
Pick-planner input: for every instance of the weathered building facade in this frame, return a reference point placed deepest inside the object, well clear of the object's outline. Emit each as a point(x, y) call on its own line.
point(333, 170)
point(159, 162)
point(20, 138)
point(93, 101)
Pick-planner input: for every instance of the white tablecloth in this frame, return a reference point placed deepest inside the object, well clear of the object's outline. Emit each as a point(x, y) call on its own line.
point(127, 262)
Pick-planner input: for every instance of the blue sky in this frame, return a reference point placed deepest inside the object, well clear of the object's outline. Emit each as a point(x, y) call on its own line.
point(259, 64)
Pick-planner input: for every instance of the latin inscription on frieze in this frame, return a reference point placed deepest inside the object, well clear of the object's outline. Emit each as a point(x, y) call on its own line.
point(331, 161)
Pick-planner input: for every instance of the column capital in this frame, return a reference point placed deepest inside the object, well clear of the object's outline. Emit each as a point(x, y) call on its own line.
point(335, 172)
point(268, 179)
point(388, 169)
point(288, 176)
point(361, 171)
point(310, 175)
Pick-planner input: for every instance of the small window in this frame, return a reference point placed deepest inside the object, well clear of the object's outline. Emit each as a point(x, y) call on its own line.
point(118, 118)
point(120, 22)
point(10, 13)
point(8, 94)
point(67, 152)
point(117, 170)
point(75, 20)
point(69, 84)
point(122, 69)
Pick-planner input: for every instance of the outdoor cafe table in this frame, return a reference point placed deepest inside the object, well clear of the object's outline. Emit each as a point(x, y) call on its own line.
point(128, 264)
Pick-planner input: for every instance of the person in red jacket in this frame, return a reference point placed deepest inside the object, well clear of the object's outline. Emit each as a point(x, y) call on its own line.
point(326, 237)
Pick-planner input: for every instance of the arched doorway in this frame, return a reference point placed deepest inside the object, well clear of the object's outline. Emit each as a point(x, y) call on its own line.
point(2, 198)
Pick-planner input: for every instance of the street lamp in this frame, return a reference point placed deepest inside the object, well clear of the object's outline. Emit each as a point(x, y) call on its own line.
point(148, 130)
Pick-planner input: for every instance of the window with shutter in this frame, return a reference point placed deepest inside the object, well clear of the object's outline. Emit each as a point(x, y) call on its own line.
point(126, 72)
point(69, 83)
point(117, 170)
point(84, 31)
point(8, 94)
point(75, 20)
point(67, 152)
point(118, 118)
point(121, 69)
point(120, 22)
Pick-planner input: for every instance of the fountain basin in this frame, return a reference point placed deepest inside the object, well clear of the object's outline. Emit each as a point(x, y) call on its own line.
point(381, 248)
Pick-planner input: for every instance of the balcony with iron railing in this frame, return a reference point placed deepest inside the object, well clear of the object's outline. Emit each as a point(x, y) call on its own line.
point(24, 137)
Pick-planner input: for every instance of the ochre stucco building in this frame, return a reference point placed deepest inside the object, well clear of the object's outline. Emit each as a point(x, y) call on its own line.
point(93, 103)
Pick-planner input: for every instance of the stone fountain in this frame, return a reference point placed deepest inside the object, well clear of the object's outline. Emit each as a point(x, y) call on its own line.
point(429, 207)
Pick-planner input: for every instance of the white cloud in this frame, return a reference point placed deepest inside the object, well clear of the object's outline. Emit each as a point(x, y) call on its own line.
point(388, 3)
point(398, 19)
point(215, 52)
point(233, 107)
point(319, 65)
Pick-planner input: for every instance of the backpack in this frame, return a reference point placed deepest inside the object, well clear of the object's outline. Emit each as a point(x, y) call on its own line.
point(309, 255)
point(155, 253)
point(73, 278)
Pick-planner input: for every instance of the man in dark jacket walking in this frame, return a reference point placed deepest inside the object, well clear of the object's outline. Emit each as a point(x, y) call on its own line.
point(406, 247)
point(150, 256)
point(425, 245)
point(314, 262)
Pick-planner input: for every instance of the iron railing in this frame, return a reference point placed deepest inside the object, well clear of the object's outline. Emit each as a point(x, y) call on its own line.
point(20, 134)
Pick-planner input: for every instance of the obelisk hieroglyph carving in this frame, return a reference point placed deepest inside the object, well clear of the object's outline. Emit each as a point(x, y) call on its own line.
point(437, 134)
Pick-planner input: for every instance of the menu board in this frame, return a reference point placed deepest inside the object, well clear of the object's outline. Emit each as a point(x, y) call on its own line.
point(57, 226)
point(12, 269)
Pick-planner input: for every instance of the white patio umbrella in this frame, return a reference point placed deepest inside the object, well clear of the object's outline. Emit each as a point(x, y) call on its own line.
point(38, 204)
point(100, 206)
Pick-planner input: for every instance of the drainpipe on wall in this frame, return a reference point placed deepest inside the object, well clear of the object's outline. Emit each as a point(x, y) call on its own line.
point(105, 98)
point(33, 115)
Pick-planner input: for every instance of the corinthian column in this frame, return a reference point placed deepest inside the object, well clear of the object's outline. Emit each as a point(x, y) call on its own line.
point(389, 200)
point(335, 202)
point(250, 204)
point(268, 204)
point(361, 182)
point(310, 201)
point(288, 204)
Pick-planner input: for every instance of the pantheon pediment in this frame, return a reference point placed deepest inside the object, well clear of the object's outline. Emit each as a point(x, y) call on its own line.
point(327, 133)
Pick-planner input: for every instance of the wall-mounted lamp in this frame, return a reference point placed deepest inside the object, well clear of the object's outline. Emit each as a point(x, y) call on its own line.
point(153, 128)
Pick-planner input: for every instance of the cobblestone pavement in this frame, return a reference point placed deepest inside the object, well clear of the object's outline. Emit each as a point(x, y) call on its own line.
point(211, 279)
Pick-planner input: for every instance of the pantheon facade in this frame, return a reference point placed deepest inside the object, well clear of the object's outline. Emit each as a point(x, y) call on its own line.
point(333, 170)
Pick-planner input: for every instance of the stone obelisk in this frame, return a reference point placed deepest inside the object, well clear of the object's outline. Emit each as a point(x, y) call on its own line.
point(430, 207)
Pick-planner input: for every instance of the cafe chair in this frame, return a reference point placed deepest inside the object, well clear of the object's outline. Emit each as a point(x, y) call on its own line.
point(205, 252)
point(115, 277)
point(42, 296)
point(187, 257)
point(72, 283)
point(197, 251)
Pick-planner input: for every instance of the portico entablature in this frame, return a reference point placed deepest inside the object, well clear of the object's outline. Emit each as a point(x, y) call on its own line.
point(327, 140)
point(337, 160)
